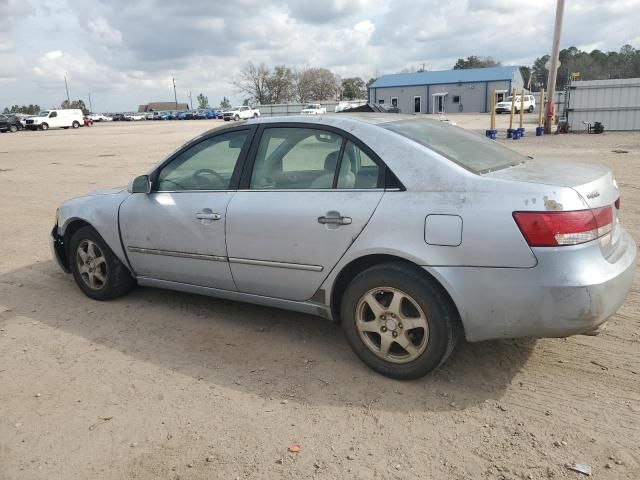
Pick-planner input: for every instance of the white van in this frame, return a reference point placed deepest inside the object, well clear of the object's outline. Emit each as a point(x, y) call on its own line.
point(47, 119)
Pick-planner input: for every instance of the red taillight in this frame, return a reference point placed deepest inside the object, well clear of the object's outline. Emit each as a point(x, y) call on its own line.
point(553, 229)
point(617, 204)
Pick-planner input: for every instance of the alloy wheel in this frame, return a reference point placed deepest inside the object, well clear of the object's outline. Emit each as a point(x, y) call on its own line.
point(392, 324)
point(92, 265)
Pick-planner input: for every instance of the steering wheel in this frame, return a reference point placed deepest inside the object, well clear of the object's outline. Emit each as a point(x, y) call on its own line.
point(207, 171)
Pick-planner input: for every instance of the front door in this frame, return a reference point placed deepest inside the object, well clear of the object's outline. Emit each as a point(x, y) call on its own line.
point(310, 194)
point(440, 104)
point(417, 104)
point(177, 232)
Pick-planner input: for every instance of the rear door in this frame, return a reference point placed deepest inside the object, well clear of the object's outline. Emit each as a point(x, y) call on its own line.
point(308, 195)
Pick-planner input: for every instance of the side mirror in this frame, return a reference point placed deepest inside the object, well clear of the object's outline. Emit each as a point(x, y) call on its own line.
point(141, 184)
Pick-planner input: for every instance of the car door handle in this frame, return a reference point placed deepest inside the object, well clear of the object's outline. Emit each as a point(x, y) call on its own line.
point(208, 216)
point(334, 220)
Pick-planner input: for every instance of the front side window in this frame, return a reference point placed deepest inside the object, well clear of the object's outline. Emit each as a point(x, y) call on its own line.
point(208, 165)
point(53, 114)
point(296, 158)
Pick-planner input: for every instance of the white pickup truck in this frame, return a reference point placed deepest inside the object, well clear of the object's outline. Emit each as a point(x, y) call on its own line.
point(313, 109)
point(240, 113)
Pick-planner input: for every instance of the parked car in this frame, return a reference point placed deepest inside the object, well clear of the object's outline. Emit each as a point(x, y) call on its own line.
point(98, 117)
point(361, 221)
point(313, 109)
point(47, 119)
point(240, 113)
point(119, 117)
point(10, 123)
point(87, 122)
point(505, 105)
point(135, 117)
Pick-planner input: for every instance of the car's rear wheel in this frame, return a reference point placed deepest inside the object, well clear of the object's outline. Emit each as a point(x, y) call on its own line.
point(75, 124)
point(530, 110)
point(13, 128)
point(255, 115)
point(44, 126)
point(96, 269)
point(400, 323)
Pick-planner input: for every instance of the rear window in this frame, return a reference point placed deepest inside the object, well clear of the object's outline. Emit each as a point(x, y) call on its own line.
point(469, 150)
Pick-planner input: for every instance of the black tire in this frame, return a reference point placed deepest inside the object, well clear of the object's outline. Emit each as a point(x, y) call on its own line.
point(255, 115)
point(441, 315)
point(44, 126)
point(75, 124)
point(13, 128)
point(236, 117)
point(118, 279)
point(530, 109)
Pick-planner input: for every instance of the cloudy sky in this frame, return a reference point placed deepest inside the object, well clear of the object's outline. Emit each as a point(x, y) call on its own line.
point(124, 52)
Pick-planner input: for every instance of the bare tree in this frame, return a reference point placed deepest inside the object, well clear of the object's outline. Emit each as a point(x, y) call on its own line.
point(280, 85)
point(253, 80)
point(301, 85)
point(319, 84)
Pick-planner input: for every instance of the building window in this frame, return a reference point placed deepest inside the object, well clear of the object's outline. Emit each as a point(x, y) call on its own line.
point(394, 101)
point(381, 101)
point(456, 99)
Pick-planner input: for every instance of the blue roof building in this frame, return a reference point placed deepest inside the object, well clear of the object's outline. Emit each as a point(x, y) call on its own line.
point(445, 91)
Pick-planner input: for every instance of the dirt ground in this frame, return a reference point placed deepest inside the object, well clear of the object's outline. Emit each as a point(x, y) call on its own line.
point(169, 385)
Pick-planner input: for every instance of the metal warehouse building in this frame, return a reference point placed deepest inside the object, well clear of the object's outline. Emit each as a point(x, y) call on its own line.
point(615, 103)
point(445, 91)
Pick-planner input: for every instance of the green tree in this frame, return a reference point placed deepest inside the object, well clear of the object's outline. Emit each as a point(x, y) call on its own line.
point(474, 61)
point(225, 104)
point(75, 104)
point(203, 101)
point(353, 88)
point(30, 109)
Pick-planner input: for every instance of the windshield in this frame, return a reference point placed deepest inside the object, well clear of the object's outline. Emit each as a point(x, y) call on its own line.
point(310, 107)
point(508, 99)
point(469, 150)
point(43, 114)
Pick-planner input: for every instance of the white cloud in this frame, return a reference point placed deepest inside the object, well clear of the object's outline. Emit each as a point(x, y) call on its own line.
point(126, 53)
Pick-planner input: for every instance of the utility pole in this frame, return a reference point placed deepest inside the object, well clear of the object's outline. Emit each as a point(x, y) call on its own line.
point(67, 89)
point(190, 99)
point(175, 95)
point(553, 67)
point(90, 107)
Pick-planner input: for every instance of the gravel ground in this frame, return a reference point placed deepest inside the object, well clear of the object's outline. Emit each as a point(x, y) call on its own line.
point(169, 385)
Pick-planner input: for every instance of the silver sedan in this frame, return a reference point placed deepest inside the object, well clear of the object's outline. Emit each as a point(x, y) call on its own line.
point(411, 233)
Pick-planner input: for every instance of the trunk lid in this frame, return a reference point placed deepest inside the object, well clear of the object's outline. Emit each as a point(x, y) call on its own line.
point(594, 183)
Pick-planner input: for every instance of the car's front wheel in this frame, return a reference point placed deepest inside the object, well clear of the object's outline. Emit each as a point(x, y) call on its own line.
point(44, 126)
point(13, 128)
point(96, 269)
point(75, 124)
point(399, 322)
point(236, 118)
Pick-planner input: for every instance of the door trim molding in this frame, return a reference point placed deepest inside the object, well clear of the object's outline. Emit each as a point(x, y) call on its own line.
point(218, 258)
point(171, 253)
point(269, 263)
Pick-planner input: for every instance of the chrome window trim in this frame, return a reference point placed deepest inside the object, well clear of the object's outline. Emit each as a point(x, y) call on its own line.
point(269, 263)
point(170, 253)
point(314, 190)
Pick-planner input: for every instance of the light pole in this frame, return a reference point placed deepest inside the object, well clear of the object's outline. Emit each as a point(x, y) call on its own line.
point(175, 95)
point(553, 67)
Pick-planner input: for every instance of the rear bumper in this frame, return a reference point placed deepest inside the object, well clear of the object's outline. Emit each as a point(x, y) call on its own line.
point(571, 290)
point(58, 250)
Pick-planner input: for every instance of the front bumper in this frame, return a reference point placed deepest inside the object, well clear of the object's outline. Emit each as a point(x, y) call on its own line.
point(58, 250)
point(571, 290)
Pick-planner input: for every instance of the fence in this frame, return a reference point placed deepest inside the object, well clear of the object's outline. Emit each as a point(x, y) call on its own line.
point(286, 109)
point(615, 103)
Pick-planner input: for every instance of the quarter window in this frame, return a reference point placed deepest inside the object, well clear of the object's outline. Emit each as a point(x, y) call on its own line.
point(357, 169)
point(296, 158)
point(208, 165)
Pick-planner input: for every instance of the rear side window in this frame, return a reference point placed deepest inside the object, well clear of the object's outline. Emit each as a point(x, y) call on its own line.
point(296, 158)
point(469, 150)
